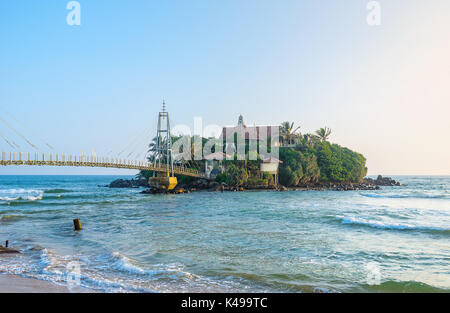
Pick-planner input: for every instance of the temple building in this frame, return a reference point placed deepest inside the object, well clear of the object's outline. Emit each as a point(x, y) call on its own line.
point(260, 132)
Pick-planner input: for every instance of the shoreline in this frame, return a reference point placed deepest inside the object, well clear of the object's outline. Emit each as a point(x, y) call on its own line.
point(10, 283)
point(212, 186)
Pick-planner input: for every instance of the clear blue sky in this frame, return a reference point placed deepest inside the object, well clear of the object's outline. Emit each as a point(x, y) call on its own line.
point(383, 90)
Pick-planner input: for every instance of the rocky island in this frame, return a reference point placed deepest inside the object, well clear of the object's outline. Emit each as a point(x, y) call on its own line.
point(211, 185)
point(305, 162)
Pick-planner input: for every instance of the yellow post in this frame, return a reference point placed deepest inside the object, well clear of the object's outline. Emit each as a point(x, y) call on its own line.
point(77, 224)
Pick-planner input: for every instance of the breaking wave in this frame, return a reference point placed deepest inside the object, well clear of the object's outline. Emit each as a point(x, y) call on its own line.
point(405, 196)
point(27, 198)
point(57, 191)
point(405, 286)
point(171, 271)
point(390, 226)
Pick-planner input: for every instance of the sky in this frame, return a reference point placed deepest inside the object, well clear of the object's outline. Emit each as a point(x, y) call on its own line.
point(383, 90)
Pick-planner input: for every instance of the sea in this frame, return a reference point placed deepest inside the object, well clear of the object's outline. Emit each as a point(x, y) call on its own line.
point(396, 239)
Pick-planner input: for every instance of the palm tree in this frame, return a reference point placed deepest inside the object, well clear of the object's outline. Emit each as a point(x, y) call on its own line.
point(152, 150)
point(323, 133)
point(287, 132)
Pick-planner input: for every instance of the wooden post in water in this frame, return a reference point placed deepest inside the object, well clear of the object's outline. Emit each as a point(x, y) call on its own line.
point(77, 224)
point(6, 243)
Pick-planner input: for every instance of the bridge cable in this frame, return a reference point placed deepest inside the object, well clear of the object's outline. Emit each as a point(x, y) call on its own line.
point(138, 147)
point(132, 143)
point(9, 143)
point(18, 133)
point(128, 144)
point(142, 149)
point(23, 125)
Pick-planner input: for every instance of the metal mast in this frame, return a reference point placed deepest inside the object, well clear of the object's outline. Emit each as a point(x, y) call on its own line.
point(164, 142)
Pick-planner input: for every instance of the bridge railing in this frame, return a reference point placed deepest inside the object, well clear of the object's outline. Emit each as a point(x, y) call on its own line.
point(50, 159)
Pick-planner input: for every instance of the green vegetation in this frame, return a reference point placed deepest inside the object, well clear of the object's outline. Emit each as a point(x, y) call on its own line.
point(314, 159)
point(323, 133)
point(306, 159)
point(298, 167)
point(236, 175)
point(257, 183)
point(339, 164)
point(288, 133)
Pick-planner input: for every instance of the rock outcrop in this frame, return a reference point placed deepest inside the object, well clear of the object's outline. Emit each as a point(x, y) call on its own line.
point(129, 183)
point(208, 185)
point(382, 181)
point(200, 184)
point(4, 250)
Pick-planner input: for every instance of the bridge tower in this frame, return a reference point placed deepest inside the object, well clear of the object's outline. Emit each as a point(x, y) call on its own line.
point(163, 154)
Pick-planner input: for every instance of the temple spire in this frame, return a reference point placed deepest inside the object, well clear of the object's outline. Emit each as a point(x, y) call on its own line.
point(241, 120)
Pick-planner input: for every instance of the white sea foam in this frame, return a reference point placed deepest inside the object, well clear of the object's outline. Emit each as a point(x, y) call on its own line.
point(172, 271)
point(406, 195)
point(46, 259)
point(21, 194)
point(34, 198)
point(9, 198)
point(392, 226)
point(27, 198)
point(125, 264)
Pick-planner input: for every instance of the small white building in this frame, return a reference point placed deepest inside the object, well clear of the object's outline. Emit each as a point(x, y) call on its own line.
point(270, 166)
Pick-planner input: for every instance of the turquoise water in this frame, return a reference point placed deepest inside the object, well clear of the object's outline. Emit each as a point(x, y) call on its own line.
point(395, 239)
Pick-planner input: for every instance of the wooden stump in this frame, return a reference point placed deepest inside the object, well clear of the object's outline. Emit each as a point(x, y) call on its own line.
point(77, 224)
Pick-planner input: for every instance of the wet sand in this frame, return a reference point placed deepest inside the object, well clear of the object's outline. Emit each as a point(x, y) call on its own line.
point(17, 284)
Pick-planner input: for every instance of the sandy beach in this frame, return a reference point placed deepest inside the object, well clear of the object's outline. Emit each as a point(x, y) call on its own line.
point(17, 284)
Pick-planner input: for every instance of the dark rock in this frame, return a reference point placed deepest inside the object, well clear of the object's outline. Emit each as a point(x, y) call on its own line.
point(129, 183)
point(382, 181)
point(213, 184)
point(121, 183)
point(4, 250)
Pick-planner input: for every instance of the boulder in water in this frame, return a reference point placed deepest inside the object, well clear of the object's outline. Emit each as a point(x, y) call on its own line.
point(4, 250)
point(128, 183)
point(382, 181)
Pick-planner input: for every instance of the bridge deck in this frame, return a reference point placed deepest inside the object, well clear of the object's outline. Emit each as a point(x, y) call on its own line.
point(91, 161)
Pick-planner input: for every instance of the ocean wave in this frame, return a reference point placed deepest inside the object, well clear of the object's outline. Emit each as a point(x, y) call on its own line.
point(25, 197)
point(124, 263)
point(57, 191)
point(405, 196)
point(405, 286)
point(390, 226)
point(11, 218)
point(170, 271)
point(21, 194)
point(45, 259)
point(19, 191)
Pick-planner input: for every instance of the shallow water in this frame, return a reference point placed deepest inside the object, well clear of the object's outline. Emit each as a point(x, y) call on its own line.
point(394, 239)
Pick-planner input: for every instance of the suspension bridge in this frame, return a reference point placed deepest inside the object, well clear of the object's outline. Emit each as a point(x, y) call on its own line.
point(162, 165)
point(36, 159)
